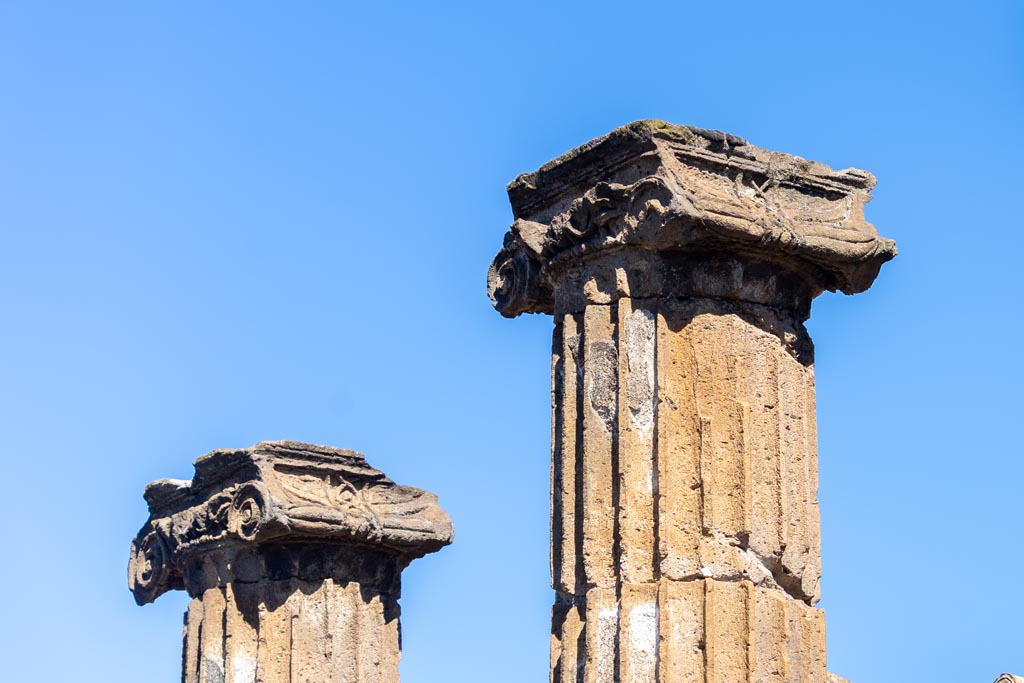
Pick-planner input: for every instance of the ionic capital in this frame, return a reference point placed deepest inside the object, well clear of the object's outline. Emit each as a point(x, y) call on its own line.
point(281, 510)
point(656, 187)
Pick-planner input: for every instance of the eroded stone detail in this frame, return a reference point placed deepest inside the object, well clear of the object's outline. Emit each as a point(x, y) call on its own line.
point(658, 186)
point(680, 265)
point(293, 554)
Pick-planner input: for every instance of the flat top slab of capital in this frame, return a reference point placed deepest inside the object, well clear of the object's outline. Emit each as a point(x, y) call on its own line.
point(659, 186)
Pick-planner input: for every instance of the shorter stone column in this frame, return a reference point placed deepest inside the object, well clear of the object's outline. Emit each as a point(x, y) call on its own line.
point(293, 556)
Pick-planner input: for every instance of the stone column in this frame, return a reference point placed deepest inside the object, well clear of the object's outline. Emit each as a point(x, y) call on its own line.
point(680, 265)
point(293, 556)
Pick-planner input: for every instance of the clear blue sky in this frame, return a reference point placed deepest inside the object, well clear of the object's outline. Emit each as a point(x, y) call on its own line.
point(228, 222)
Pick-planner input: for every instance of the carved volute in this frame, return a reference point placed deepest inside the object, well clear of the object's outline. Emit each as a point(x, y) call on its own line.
point(286, 533)
point(679, 265)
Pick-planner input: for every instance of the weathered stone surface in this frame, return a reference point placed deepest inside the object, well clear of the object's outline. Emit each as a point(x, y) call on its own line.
point(1009, 678)
point(663, 187)
point(680, 266)
point(293, 555)
point(717, 411)
point(699, 630)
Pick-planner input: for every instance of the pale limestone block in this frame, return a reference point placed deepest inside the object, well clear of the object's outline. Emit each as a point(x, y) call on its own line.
point(241, 626)
point(600, 390)
point(681, 632)
point(343, 631)
point(638, 633)
point(309, 634)
point(680, 496)
point(565, 485)
point(190, 658)
point(601, 636)
point(727, 628)
point(769, 651)
point(211, 639)
point(636, 439)
point(274, 638)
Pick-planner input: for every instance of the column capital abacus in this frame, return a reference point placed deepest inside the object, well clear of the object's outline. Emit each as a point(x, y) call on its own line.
point(657, 187)
point(281, 510)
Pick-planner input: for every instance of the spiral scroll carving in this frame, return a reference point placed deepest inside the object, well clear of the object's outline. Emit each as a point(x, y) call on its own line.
point(512, 282)
point(256, 513)
point(248, 513)
point(148, 569)
point(662, 188)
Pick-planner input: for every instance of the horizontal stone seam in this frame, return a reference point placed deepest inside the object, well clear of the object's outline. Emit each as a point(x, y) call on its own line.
point(647, 300)
point(562, 598)
point(781, 313)
point(606, 245)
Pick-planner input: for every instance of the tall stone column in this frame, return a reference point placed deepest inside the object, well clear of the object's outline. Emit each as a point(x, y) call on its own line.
point(679, 265)
point(293, 556)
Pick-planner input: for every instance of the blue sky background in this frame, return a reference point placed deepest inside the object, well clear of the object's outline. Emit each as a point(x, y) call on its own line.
point(228, 222)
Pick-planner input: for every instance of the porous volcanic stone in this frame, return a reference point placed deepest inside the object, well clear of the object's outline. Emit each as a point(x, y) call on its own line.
point(293, 555)
point(680, 265)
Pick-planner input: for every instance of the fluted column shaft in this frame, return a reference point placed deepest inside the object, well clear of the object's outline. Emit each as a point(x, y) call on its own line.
point(685, 528)
point(290, 629)
point(287, 613)
point(679, 264)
